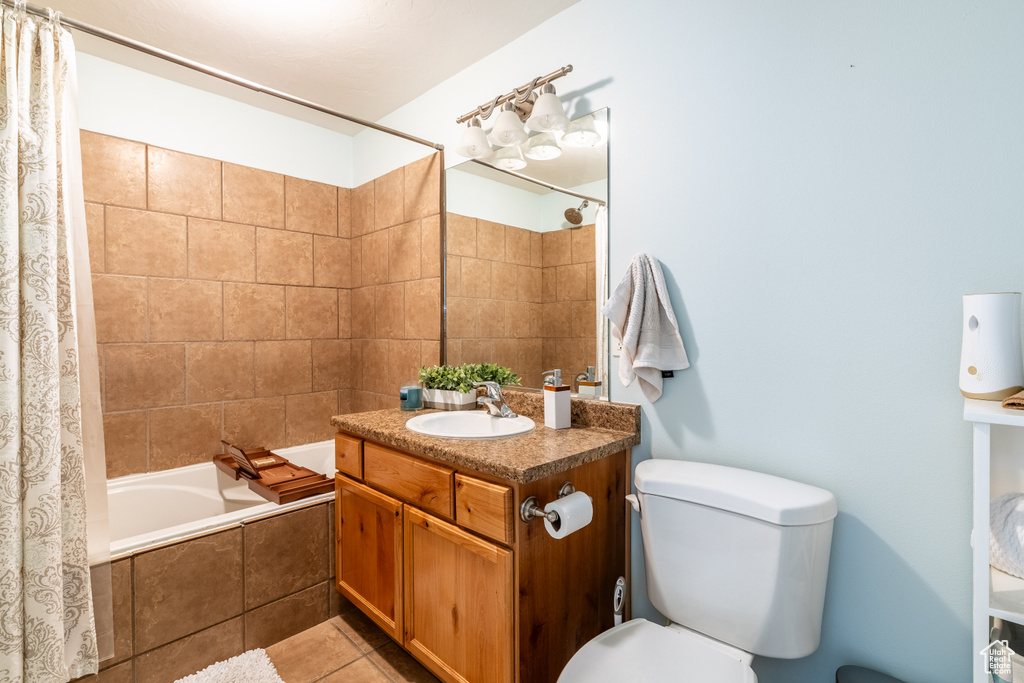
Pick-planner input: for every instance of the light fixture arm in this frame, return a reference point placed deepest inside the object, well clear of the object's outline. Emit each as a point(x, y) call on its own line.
point(520, 94)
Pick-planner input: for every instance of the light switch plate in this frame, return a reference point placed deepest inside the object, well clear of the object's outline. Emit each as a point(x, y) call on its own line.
point(616, 348)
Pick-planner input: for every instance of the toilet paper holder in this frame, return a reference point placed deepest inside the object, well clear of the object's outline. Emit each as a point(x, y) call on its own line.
point(531, 508)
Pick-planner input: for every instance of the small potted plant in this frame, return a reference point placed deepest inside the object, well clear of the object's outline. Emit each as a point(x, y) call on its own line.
point(450, 387)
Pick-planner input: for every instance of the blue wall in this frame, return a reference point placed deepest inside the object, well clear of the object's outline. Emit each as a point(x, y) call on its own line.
point(822, 182)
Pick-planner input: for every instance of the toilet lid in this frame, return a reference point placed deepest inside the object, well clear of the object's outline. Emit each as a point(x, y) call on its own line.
point(641, 652)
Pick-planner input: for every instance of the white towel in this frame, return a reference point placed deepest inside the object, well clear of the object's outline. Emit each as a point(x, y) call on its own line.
point(1006, 534)
point(642, 319)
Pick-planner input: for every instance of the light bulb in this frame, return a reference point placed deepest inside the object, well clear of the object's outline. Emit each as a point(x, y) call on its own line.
point(474, 142)
point(508, 129)
point(582, 133)
point(509, 158)
point(547, 114)
point(542, 147)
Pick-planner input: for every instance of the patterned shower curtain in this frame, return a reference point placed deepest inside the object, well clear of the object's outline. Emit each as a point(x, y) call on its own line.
point(47, 631)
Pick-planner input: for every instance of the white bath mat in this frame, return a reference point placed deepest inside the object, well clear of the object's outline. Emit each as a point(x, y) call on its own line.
point(253, 666)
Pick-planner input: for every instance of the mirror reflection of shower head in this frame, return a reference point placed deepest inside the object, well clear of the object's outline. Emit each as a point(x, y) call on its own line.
point(573, 215)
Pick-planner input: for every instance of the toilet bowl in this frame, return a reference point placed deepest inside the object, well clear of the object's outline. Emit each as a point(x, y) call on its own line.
point(737, 561)
point(641, 651)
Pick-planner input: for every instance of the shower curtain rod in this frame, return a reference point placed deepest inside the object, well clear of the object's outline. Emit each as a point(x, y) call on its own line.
point(556, 188)
point(216, 73)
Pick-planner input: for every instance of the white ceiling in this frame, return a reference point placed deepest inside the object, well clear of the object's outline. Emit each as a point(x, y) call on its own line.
point(365, 58)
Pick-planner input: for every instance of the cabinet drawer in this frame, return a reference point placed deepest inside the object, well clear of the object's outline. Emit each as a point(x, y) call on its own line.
point(484, 507)
point(348, 455)
point(415, 481)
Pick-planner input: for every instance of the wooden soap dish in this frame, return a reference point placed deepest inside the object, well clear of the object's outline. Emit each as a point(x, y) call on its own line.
point(270, 475)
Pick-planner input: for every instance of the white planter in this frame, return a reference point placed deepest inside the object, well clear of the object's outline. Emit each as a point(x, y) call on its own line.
point(443, 399)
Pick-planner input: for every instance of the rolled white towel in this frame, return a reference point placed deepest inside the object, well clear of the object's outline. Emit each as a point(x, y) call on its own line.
point(1006, 534)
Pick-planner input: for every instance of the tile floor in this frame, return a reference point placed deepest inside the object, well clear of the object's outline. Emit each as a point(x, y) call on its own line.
point(349, 648)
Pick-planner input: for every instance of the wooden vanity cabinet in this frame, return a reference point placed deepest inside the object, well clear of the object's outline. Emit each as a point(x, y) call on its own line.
point(370, 551)
point(440, 560)
point(458, 601)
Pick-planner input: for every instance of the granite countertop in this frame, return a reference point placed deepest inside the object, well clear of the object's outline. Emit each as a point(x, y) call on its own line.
point(522, 458)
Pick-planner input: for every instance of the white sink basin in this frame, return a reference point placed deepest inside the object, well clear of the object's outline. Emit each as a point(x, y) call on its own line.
point(469, 424)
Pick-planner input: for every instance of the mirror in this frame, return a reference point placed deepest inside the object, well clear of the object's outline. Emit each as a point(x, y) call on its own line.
point(521, 281)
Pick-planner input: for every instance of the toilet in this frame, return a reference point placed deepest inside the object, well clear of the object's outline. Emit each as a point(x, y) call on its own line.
point(736, 560)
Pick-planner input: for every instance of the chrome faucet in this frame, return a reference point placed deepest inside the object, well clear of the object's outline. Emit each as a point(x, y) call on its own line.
point(580, 377)
point(494, 401)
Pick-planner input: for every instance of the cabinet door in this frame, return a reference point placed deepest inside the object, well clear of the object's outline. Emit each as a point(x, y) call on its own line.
point(369, 552)
point(458, 601)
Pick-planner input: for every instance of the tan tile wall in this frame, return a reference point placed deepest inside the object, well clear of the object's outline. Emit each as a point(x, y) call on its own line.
point(521, 298)
point(222, 303)
point(494, 295)
point(569, 286)
point(395, 273)
point(180, 608)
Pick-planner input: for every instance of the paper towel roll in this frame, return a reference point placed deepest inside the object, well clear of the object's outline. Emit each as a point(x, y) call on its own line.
point(574, 512)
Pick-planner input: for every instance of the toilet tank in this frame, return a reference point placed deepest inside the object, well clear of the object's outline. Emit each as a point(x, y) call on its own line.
point(737, 555)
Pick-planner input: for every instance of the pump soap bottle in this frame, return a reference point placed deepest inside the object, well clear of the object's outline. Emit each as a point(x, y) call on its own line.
point(589, 387)
point(557, 413)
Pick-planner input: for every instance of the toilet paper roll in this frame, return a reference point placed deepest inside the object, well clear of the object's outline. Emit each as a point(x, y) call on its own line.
point(574, 512)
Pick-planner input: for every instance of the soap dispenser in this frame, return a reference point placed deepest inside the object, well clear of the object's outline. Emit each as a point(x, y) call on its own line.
point(557, 414)
point(589, 387)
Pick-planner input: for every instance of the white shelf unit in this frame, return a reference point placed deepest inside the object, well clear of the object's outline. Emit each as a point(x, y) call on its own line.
point(998, 469)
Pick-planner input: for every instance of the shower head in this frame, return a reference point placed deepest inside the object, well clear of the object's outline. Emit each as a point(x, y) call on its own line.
point(573, 215)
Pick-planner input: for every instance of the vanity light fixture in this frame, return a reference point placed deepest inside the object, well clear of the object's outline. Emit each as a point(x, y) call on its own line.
point(509, 158)
point(548, 114)
point(542, 112)
point(582, 133)
point(508, 129)
point(474, 142)
point(542, 147)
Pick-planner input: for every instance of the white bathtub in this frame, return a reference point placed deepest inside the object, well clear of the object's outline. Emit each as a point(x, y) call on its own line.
point(158, 507)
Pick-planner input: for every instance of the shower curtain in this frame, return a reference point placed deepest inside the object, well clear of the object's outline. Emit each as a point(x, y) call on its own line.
point(47, 630)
